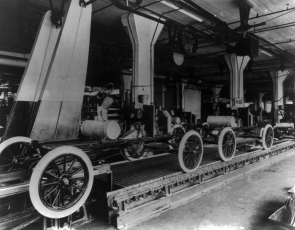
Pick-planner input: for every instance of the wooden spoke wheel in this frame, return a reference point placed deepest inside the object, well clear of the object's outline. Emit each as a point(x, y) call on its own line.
point(227, 144)
point(134, 151)
point(267, 137)
point(190, 152)
point(16, 153)
point(61, 182)
point(126, 4)
point(281, 113)
point(188, 42)
point(177, 134)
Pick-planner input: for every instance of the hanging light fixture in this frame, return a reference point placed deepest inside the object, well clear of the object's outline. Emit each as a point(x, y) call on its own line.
point(181, 10)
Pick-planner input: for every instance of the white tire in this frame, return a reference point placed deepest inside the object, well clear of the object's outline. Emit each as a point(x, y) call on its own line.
point(57, 164)
point(267, 137)
point(190, 151)
point(227, 144)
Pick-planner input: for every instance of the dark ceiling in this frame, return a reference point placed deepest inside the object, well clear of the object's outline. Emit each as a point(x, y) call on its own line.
point(276, 40)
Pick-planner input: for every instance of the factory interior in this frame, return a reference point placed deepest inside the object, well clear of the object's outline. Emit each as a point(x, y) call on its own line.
point(147, 114)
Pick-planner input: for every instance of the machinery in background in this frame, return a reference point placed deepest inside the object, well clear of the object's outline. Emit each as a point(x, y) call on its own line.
point(61, 172)
point(44, 141)
point(286, 126)
point(247, 117)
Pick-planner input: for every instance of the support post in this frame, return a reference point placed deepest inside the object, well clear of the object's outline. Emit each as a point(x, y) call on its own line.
point(216, 90)
point(278, 78)
point(266, 105)
point(143, 34)
point(236, 65)
point(61, 99)
point(126, 87)
point(286, 99)
point(24, 110)
point(255, 104)
point(260, 105)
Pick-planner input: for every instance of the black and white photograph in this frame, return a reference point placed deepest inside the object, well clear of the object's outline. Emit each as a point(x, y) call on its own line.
point(147, 114)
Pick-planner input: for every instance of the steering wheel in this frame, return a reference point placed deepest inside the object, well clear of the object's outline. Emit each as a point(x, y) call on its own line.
point(105, 91)
point(281, 113)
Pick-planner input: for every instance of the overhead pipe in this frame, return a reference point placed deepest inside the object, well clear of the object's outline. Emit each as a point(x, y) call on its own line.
point(12, 61)
point(277, 43)
point(103, 8)
point(171, 23)
point(257, 16)
point(197, 9)
point(275, 27)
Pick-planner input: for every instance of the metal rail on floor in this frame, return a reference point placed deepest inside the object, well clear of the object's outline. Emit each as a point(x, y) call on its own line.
point(129, 205)
point(21, 219)
point(141, 195)
point(22, 187)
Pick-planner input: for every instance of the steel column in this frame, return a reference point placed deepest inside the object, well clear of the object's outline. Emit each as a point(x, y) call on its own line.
point(143, 34)
point(26, 102)
point(260, 105)
point(236, 65)
point(59, 113)
point(278, 78)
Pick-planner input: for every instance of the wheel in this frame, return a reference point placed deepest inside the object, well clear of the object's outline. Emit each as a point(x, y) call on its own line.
point(16, 153)
point(190, 152)
point(188, 42)
point(281, 113)
point(134, 151)
point(61, 182)
point(267, 137)
point(227, 144)
point(126, 4)
point(105, 91)
point(178, 133)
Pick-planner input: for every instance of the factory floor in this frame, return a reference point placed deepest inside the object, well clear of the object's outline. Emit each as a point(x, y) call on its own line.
point(242, 204)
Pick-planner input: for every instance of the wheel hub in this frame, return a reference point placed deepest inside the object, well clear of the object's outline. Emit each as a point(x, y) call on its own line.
point(65, 181)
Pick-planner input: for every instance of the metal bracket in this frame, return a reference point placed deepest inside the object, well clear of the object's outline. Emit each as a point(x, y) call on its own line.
point(56, 14)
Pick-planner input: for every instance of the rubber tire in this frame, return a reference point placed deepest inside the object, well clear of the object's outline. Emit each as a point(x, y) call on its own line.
point(180, 44)
point(122, 6)
point(220, 140)
point(181, 148)
point(14, 140)
point(38, 171)
point(263, 137)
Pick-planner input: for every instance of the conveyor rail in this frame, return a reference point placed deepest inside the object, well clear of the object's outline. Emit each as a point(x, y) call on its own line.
point(22, 187)
point(136, 202)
